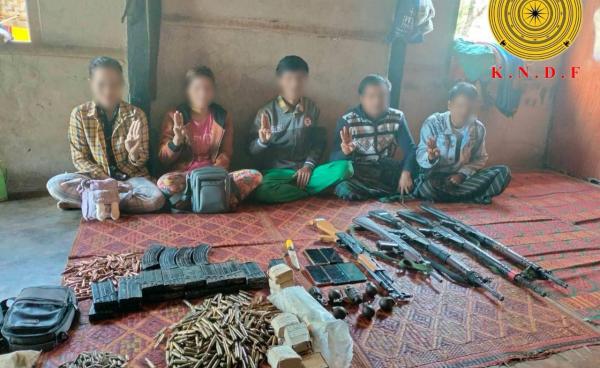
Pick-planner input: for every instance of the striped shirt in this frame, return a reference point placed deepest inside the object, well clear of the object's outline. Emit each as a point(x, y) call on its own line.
point(375, 139)
point(88, 145)
point(461, 150)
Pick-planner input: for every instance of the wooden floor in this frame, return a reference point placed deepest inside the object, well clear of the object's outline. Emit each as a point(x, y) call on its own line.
point(579, 358)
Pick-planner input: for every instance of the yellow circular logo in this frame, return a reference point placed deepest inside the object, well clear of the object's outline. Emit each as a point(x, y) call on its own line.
point(535, 29)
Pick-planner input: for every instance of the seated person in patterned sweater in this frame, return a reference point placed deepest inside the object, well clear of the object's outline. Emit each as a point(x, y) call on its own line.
point(199, 133)
point(368, 136)
point(452, 154)
point(108, 138)
point(288, 143)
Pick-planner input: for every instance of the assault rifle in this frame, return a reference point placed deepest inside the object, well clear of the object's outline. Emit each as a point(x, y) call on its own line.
point(531, 270)
point(411, 258)
point(406, 231)
point(370, 265)
point(396, 258)
point(442, 232)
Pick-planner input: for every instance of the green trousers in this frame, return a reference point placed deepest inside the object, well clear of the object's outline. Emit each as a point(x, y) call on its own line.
point(279, 185)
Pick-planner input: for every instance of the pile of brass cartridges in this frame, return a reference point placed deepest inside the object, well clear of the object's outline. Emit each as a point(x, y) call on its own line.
point(111, 267)
point(96, 359)
point(223, 331)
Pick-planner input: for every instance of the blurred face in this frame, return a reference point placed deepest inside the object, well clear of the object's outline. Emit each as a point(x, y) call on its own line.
point(292, 84)
point(462, 110)
point(375, 100)
point(201, 92)
point(107, 86)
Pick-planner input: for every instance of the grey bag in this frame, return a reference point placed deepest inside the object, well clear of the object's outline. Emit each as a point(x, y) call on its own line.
point(39, 318)
point(208, 190)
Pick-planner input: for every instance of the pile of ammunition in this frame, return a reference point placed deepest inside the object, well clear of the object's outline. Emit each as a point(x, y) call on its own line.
point(95, 359)
point(79, 276)
point(223, 331)
point(171, 273)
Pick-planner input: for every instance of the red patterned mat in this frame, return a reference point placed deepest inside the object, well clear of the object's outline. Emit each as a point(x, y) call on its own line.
point(135, 233)
point(544, 183)
point(553, 219)
point(446, 325)
point(250, 226)
point(504, 209)
point(574, 254)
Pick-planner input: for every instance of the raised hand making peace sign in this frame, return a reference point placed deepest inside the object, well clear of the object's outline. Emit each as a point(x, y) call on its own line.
point(133, 142)
point(347, 145)
point(179, 136)
point(433, 152)
point(264, 133)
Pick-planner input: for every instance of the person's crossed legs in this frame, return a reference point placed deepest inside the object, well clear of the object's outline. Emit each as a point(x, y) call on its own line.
point(246, 181)
point(145, 196)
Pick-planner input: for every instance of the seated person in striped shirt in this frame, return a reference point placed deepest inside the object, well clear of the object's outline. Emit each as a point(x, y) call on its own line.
point(287, 141)
point(452, 154)
point(368, 136)
point(108, 138)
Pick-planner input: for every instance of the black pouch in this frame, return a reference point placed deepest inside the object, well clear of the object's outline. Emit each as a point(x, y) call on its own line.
point(208, 190)
point(39, 318)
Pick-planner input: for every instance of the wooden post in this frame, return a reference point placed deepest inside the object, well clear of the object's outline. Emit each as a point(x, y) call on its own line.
point(143, 34)
point(396, 69)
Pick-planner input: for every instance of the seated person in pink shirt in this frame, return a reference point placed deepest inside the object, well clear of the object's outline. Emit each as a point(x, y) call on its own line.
point(199, 133)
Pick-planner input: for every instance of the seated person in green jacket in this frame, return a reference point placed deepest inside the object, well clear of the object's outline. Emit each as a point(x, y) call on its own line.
point(452, 154)
point(287, 141)
point(368, 136)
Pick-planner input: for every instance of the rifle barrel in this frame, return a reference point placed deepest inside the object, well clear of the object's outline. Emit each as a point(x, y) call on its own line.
point(495, 245)
point(520, 280)
point(415, 217)
point(435, 249)
point(495, 293)
point(522, 261)
point(482, 255)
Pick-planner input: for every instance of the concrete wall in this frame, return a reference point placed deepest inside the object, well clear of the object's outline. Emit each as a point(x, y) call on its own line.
point(426, 68)
point(242, 41)
point(43, 81)
point(342, 42)
point(519, 141)
point(574, 145)
point(82, 23)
